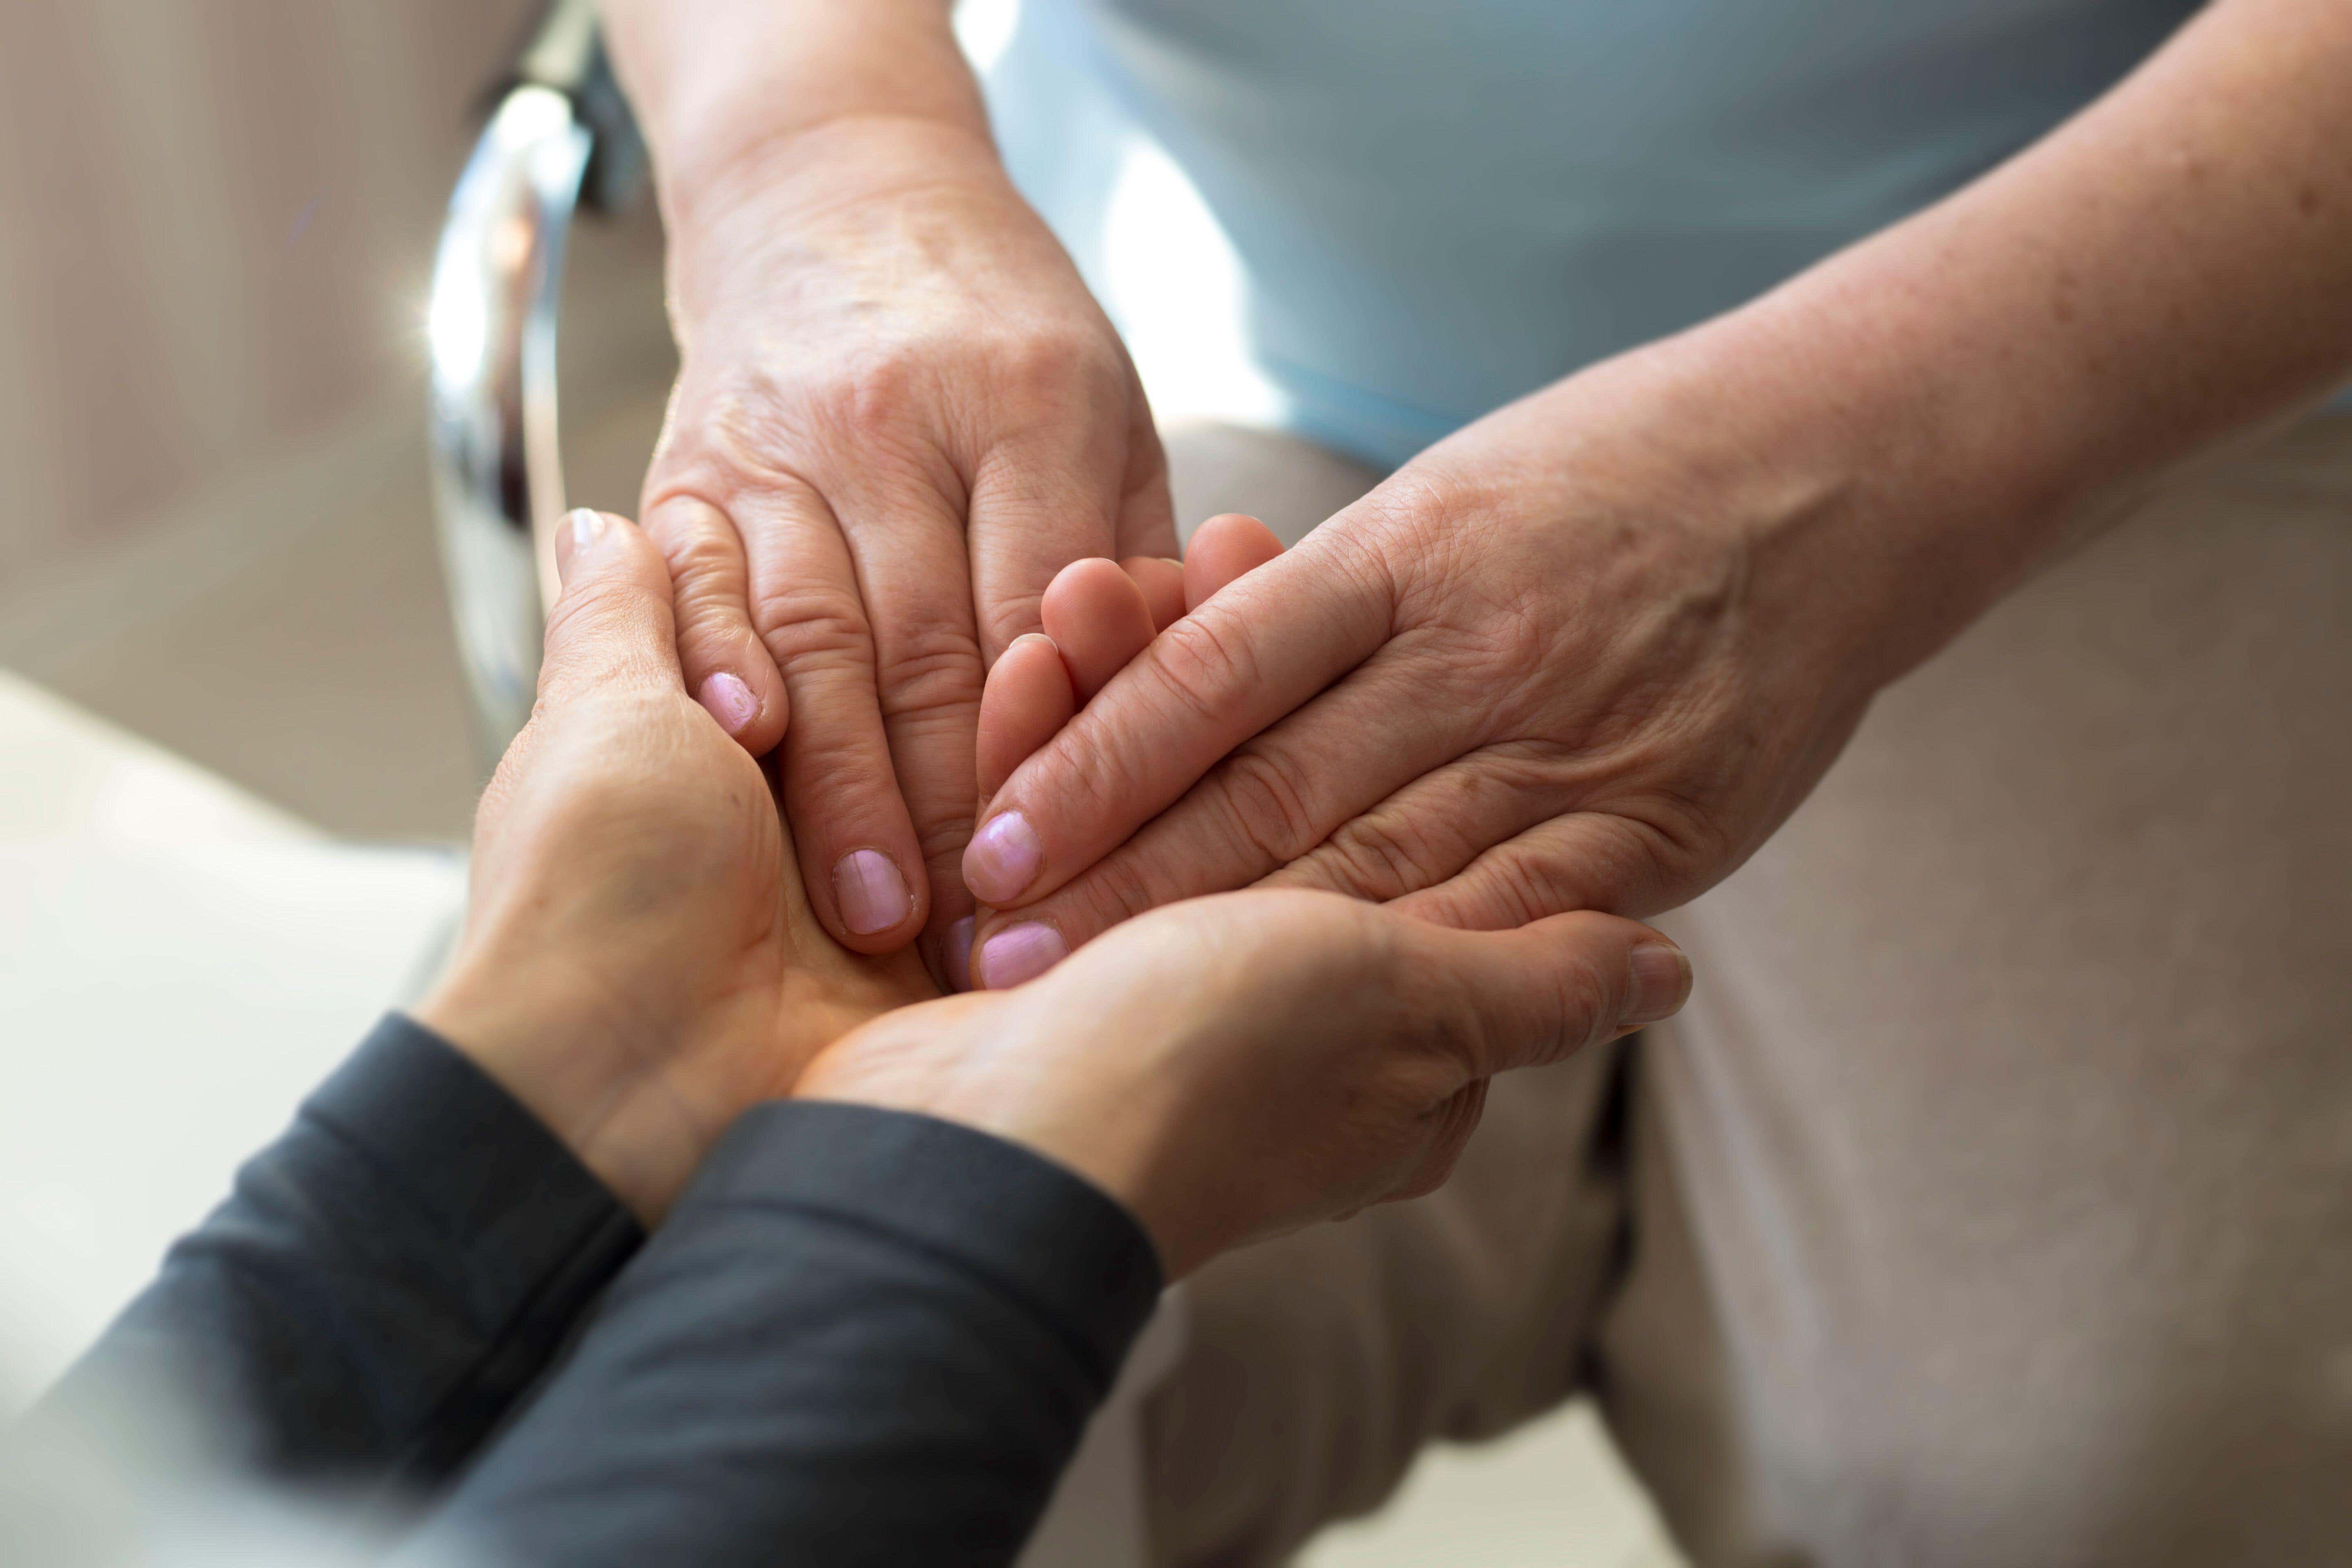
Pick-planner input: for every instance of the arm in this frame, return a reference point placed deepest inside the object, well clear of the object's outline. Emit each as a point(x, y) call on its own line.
point(864, 1337)
point(1591, 649)
point(867, 1336)
point(899, 413)
point(638, 967)
point(380, 1285)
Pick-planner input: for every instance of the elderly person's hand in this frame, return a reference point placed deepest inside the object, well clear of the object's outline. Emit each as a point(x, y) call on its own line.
point(1233, 1068)
point(639, 963)
point(1545, 666)
point(1591, 649)
point(899, 413)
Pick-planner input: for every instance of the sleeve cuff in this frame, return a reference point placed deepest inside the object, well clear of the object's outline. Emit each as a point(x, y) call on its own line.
point(1035, 1230)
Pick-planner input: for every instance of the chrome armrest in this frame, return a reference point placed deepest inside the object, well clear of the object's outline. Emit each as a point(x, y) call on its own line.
point(560, 136)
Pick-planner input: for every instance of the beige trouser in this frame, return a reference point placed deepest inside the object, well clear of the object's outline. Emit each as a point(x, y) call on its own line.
point(1991, 1202)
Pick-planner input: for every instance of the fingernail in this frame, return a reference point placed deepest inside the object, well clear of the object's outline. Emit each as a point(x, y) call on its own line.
point(872, 895)
point(731, 703)
point(581, 527)
point(1020, 952)
point(1662, 978)
point(958, 954)
point(1002, 859)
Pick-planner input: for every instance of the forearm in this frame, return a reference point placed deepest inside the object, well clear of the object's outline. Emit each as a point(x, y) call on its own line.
point(383, 1281)
point(1923, 418)
point(722, 85)
point(864, 1337)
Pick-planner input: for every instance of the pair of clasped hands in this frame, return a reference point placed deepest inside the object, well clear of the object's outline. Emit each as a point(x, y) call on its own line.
point(642, 962)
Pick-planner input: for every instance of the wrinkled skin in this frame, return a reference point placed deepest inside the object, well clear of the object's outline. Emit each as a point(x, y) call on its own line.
point(1524, 675)
point(900, 413)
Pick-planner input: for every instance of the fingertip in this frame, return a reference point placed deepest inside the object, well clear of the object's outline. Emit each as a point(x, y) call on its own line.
point(756, 721)
point(1162, 582)
point(1026, 700)
point(1097, 616)
point(727, 667)
point(1225, 548)
point(588, 541)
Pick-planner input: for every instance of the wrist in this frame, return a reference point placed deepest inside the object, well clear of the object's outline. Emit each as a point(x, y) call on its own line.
point(851, 206)
point(997, 1063)
point(716, 84)
point(780, 170)
point(573, 1065)
point(1866, 511)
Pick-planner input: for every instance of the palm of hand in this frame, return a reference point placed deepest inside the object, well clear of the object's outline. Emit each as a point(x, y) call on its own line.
point(641, 962)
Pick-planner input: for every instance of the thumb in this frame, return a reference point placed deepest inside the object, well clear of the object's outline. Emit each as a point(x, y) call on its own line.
point(1532, 995)
point(612, 625)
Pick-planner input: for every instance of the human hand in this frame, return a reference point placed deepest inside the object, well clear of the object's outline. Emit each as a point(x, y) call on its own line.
point(899, 412)
point(1099, 616)
point(639, 962)
point(1568, 659)
point(1235, 1066)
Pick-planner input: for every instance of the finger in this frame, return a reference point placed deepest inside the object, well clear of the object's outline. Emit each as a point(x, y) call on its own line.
point(1530, 996)
point(1588, 859)
point(856, 842)
point(1098, 617)
point(727, 667)
point(1224, 549)
point(1212, 681)
point(612, 625)
point(1027, 701)
point(1437, 824)
point(1163, 581)
point(907, 537)
point(1147, 519)
point(1037, 506)
point(1275, 799)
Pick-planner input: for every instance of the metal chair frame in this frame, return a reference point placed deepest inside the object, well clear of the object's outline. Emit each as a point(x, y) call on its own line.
point(560, 138)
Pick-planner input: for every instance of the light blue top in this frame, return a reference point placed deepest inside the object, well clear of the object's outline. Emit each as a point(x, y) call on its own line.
point(1440, 204)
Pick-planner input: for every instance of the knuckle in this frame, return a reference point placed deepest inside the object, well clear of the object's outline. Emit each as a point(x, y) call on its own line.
point(1268, 805)
point(722, 436)
point(1585, 1004)
point(1383, 855)
point(875, 392)
point(1201, 660)
point(928, 666)
point(1528, 887)
point(704, 556)
point(1056, 363)
point(802, 621)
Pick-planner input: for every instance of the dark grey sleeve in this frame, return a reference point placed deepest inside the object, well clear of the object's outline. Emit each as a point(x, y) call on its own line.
point(381, 1284)
point(863, 1337)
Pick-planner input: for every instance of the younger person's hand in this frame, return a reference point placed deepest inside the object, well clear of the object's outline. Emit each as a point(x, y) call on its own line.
point(640, 963)
point(1235, 1066)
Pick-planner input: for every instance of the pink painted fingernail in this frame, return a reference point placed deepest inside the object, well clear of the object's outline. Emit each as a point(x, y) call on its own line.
point(957, 952)
point(1020, 952)
point(730, 701)
point(872, 894)
point(1002, 859)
